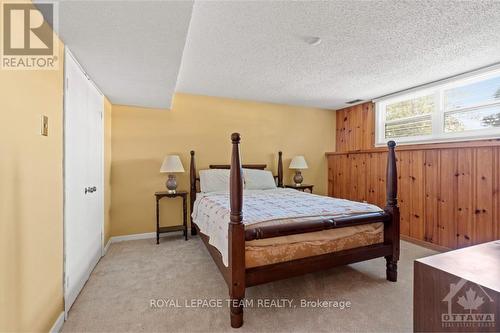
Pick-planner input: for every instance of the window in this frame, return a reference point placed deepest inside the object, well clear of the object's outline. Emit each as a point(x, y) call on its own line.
point(461, 109)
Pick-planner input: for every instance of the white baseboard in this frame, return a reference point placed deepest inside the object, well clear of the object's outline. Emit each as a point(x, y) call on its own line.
point(56, 328)
point(107, 246)
point(146, 235)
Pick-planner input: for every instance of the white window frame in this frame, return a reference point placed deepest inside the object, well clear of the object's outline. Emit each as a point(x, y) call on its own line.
point(437, 89)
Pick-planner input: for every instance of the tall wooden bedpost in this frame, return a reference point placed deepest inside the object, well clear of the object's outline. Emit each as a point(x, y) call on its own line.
point(192, 192)
point(280, 169)
point(391, 231)
point(236, 236)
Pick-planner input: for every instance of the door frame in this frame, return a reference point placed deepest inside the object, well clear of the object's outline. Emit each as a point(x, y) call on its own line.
point(100, 193)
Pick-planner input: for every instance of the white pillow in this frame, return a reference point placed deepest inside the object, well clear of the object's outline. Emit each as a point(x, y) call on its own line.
point(258, 179)
point(213, 180)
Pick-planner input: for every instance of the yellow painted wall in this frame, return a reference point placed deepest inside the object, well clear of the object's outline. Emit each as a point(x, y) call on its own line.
point(107, 170)
point(31, 199)
point(142, 137)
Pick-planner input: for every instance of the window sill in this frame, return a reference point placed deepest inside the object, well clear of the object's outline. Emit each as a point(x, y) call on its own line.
point(449, 139)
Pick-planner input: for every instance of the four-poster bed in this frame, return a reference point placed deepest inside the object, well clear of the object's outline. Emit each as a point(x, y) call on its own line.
point(239, 276)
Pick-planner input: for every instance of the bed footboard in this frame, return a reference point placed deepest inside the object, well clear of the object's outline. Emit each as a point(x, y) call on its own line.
point(314, 225)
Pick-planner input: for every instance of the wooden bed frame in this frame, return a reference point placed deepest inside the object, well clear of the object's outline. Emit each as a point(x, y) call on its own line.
point(238, 277)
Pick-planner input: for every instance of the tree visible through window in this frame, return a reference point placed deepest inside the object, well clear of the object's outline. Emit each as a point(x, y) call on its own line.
point(410, 117)
point(494, 119)
point(467, 108)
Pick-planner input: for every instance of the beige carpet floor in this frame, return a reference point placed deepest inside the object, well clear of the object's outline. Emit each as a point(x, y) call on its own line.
point(117, 297)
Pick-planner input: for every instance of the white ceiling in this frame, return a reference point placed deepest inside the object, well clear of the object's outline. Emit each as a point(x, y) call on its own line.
point(256, 50)
point(131, 49)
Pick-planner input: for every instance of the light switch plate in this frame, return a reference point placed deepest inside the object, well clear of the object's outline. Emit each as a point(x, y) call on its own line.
point(44, 126)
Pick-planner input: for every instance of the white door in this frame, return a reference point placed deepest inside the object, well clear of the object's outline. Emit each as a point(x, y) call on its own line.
point(83, 179)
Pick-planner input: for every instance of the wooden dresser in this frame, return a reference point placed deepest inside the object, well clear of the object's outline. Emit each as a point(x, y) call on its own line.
point(458, 291)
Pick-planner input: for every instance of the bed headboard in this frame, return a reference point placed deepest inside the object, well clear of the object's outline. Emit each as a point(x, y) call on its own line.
point(194, 180)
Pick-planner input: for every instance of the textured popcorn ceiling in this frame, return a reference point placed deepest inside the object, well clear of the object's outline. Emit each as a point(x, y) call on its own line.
point(131, 49)
point(141, 52)
point(256, 50)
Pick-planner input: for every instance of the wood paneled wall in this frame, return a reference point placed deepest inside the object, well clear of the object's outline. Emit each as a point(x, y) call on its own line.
point(355, 128)
point(449, 194)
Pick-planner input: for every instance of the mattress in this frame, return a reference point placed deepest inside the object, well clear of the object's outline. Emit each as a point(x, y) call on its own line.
point(280, 249)
point(280, 206)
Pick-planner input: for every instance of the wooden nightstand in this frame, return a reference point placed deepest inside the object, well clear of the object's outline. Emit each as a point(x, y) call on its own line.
point(302, 187)
point(183, 227)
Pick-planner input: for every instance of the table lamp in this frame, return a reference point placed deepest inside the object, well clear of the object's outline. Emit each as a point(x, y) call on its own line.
point(298, 163)
point(172, 164)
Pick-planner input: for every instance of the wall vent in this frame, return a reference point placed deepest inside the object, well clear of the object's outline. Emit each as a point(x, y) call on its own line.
point(354, 101)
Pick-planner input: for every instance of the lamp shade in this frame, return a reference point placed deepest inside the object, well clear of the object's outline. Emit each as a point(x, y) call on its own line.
point(298, 162)
point(171, 164)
